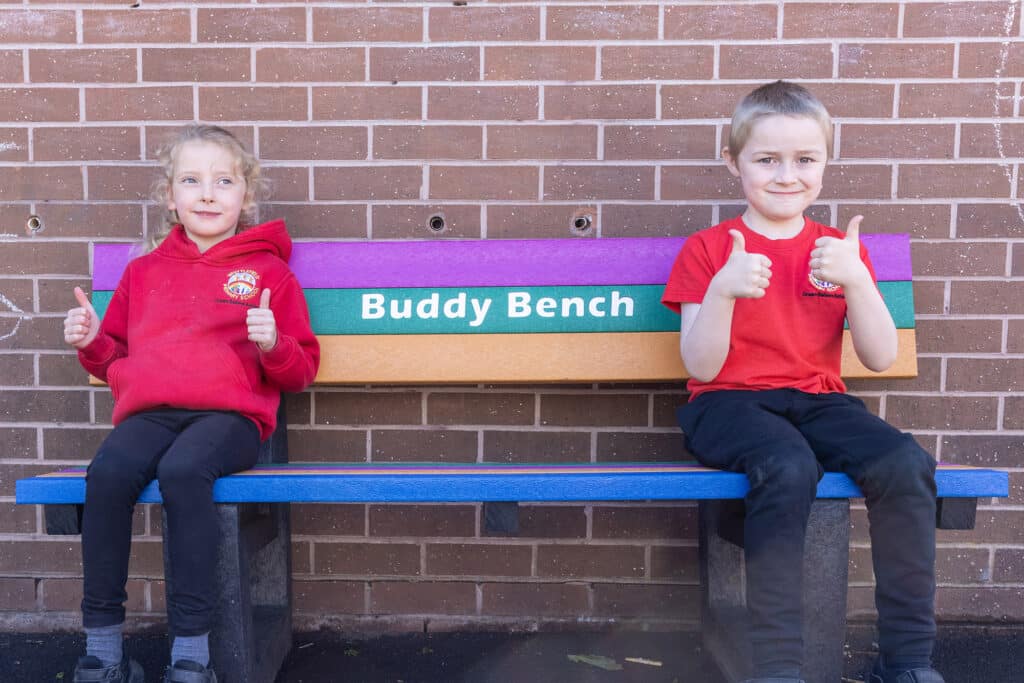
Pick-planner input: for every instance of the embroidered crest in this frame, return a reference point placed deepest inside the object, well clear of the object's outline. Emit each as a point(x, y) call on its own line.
point(822, 285)
point(241, 284)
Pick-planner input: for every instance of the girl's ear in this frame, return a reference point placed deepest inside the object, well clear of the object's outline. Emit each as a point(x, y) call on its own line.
point(730, 162)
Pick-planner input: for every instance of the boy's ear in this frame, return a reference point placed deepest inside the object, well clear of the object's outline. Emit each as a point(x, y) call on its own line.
point(730, 163)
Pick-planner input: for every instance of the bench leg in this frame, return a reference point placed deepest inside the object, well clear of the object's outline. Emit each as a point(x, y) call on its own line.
point(252, 630)
point(825, 583)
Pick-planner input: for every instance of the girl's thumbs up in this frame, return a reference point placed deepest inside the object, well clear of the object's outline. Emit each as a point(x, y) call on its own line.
point(265, 299)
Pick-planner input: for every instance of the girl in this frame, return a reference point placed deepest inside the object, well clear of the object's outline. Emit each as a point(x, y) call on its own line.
point(201, 336)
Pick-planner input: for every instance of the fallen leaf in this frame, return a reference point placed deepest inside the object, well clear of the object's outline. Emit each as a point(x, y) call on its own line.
point(599, 661)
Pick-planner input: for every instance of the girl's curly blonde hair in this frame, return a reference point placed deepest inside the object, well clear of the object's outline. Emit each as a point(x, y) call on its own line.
point(247, 166)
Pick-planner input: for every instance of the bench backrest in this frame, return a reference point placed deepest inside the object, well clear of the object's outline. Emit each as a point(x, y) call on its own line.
point(558, 310)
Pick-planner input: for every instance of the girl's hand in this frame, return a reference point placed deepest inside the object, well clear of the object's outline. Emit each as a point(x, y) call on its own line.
point(81, 325)
point(261, 324)
point(838, 260)
point(744, 275)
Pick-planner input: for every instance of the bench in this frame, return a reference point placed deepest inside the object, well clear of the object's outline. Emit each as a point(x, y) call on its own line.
point(510, 311)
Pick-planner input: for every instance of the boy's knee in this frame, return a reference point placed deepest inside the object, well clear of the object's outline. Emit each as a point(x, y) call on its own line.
point(907, 469)
point(787, 474)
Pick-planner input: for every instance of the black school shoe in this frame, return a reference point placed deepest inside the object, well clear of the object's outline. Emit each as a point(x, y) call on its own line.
point(91, 670)
point(187, 671)
point(924, 675)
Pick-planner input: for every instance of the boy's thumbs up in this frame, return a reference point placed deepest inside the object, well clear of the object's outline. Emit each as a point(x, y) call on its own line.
point(265, 299)
point(853, 229)
point(739, 244)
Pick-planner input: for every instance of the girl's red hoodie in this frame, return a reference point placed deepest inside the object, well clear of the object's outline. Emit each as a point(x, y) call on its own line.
point(175, 333)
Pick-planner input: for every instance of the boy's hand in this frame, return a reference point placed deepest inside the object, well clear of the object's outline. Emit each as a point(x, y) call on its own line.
point(838, 260)
point(744, 275)
point(261, 324)
point(81, 325)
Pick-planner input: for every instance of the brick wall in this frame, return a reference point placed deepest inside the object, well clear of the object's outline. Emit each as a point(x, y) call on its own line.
point(508, 118)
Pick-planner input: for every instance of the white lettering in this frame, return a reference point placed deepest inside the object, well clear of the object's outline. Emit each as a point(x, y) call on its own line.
point(479, 311)
point(619, 300)
point(518, 304)
point(404, 312)
point(593, 306)
point(546, 307)
point(456, 308)
point(373, 306)
point(572, 302)
point(428, 308)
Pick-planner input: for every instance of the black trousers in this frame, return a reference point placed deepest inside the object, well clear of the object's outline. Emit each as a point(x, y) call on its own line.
point(185, 451)
point(784, 440)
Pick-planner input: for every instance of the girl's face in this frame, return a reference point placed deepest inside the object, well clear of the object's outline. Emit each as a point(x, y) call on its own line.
point(207, 192)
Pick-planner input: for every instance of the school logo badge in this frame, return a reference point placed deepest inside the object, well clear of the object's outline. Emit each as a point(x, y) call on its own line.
point(241, 284)
point(822, 285)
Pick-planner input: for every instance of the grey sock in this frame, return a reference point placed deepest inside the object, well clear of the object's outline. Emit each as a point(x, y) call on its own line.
point(193, 648)
point(105, 643)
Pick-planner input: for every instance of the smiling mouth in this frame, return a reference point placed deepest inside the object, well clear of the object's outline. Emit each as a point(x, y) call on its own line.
point(206, 214)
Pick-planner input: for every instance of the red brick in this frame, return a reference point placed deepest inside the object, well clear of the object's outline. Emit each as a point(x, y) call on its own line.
point(981, 60)
point(139, 104)
point(79, 144)
point(900, 141)
point(476, 559)
point(646, 600)
point(310, 64)
point(158, 137)
point(983, 450)
point(602, 23)
point(956, 99)
point(669, 62)
point(1017, 267)
point(423, 521)
point(593, 561)
point(699, 182)
point(653, 220)
point(136, 26)
point(414, 445)
point(722, 22)
point(605, 410)
point(1015, 336)
point(368, 24)
point(472, 103)
point(17, 370)
point(121, 182)
point(677, 563)
point(861, 100)
point(569, 141)
point(19, 443)
point(368, 182)
point(60, 370)
point(199, 64)
point(992, 140)
point(984, 374)
point(894, 60)
point(483, 182)
point(327, 597)
point(507, 221)
point(475, 24)
point(959, 258)
point(253, 104)
point(314, 142)
point(775, 61)
point(574, 102)
point(16, 519)
point(540, 63)
point(536, 446)
point(82, 66)
point(535, 599)
point(960, 19)
point(38, 104)
point(329, 520)
point(427, 142)
point(378, 408)
point(841, 19)
point(11, 70)
point(424, 64)
point(362, 102)
point(920, 220)
point(288, 183)
point(320, 220)
point(327, 445)
point(935, 412)
point(953, 180)
point(403, 221)
point(65, 595)
point(375, 559)
point(959, 336)
point(549, 521)
point(640, 446)
point(244, 25)
point(59, 554)
point(37, 26)
point(20, 292)
point(1008, 562)
point(989, 220)
point(660, 142)
point(40, 182)
point(483, 409)
point(422, 597)
point(62, 443)
point(654, 522)
point(598, 182)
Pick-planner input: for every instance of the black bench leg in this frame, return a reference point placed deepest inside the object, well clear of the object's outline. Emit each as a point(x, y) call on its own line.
point(825, 583)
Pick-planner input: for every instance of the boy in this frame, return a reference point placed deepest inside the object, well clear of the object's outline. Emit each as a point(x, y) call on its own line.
point(762, 299)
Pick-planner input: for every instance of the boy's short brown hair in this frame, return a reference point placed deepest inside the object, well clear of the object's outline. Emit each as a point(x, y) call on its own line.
point(780, 97)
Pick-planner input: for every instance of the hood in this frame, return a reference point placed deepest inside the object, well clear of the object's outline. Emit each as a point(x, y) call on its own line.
point(270, 237)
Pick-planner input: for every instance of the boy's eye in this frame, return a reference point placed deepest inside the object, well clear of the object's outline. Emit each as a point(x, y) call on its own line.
point(764, 160)
point(807, 160)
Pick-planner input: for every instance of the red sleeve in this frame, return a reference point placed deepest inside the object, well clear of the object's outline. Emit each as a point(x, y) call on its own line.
point(292, 364)
point(691, 273)
point(112, 341)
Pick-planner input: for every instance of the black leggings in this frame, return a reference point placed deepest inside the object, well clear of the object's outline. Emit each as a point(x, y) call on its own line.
point(185, 451)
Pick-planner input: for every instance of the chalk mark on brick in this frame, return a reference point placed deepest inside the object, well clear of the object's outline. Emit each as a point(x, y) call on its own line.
point(1004, 56)
point(17, 321)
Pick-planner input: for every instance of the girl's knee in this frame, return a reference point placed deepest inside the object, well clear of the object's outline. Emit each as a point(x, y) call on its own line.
point(108, 477)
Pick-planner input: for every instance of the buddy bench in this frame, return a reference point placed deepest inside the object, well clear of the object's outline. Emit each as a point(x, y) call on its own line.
point(523, 311)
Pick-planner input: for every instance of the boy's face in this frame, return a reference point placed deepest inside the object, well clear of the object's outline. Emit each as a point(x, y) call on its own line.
point(780, 167)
